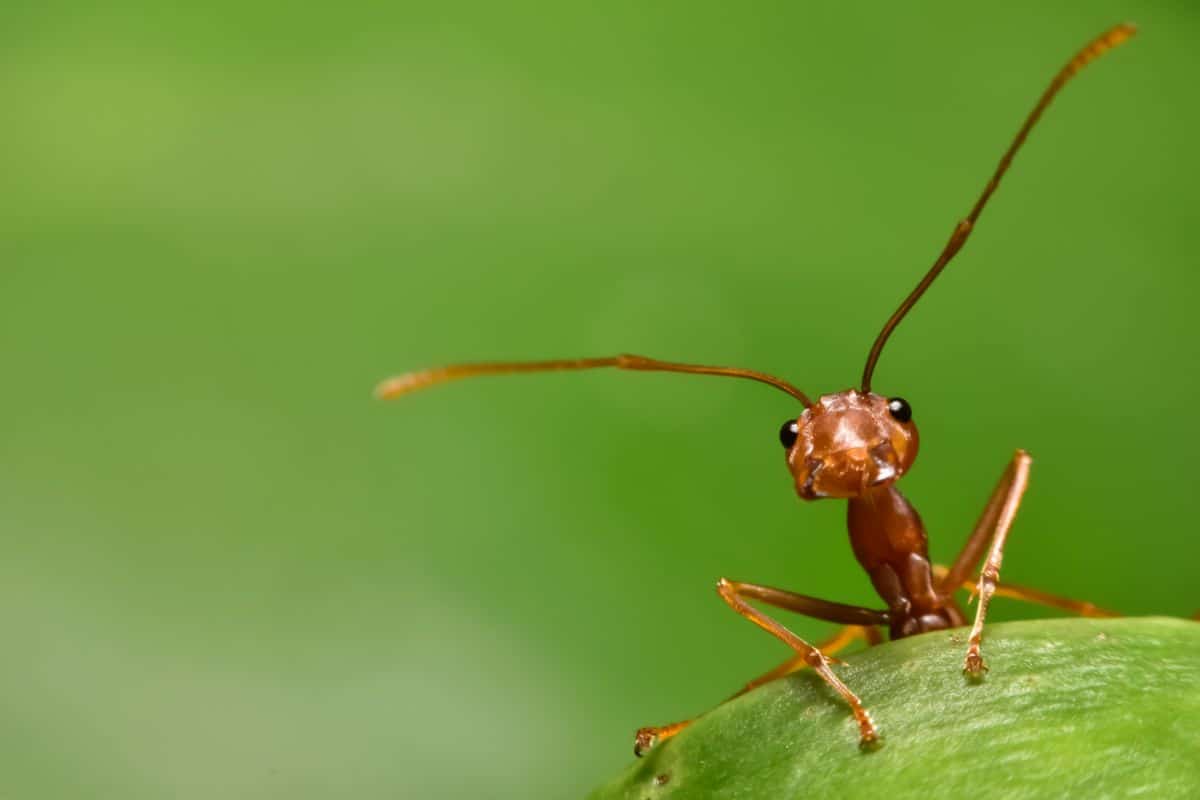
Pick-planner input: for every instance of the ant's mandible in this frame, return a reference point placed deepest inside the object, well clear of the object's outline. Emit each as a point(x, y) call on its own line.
point(855, 445)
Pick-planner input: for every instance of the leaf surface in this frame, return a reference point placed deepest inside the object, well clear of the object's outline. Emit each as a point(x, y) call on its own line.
point(1090, 708)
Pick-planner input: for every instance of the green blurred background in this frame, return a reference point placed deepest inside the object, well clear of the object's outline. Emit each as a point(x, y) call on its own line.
point(228, 572)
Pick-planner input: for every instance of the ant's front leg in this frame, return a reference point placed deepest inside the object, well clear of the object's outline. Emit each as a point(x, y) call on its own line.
point(993, 526)
point(736, 593)
point(652, 735)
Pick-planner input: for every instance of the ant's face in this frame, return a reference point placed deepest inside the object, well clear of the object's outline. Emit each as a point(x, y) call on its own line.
point(848, 443)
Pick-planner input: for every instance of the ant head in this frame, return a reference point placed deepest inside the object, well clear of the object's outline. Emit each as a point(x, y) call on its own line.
point(848, 443)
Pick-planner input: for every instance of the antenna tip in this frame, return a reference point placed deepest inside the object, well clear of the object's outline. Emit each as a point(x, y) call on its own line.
point(394, 387)
point(1120, 33)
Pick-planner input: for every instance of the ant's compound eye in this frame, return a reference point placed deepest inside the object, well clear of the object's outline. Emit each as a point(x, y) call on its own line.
point(788, 433)
point(900, 410)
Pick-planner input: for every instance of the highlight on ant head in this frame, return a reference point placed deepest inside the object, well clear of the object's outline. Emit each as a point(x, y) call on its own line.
point(848, 443)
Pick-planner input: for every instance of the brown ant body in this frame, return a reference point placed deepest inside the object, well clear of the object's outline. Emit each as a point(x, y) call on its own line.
point(855, 445)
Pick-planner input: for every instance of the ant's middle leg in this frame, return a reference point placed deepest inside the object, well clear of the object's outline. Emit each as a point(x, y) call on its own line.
point(656, 734)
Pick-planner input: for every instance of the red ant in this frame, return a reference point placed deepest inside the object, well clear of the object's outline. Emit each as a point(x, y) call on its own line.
point(855, 445)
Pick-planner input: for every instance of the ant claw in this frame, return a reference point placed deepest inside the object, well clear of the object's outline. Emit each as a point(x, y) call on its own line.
point(869, 740)
point(973, 666)
point(644, 740)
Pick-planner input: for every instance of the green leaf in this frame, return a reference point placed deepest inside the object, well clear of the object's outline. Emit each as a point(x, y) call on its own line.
point(1070, 708)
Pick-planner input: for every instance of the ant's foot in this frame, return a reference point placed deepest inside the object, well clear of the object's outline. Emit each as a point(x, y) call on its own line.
point(973, 666)
point(651, 735)
point(868, 734)
point(643, 740)
point(870, 742)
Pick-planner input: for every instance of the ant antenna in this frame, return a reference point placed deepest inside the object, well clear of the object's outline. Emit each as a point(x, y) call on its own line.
point(412, 381)
point(1097, 47)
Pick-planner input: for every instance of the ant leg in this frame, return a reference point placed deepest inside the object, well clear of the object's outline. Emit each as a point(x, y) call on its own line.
point(651, 735)
point(1030, 595)
point(854, 616)
point(836, 643)
point(735, 593)
point(993, 525)
point(973, 548)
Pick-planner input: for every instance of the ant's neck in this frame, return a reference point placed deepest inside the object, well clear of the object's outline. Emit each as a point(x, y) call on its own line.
point(885, 528)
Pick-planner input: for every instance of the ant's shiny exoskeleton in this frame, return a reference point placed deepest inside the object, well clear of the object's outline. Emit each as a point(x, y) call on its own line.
point(855, 445)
